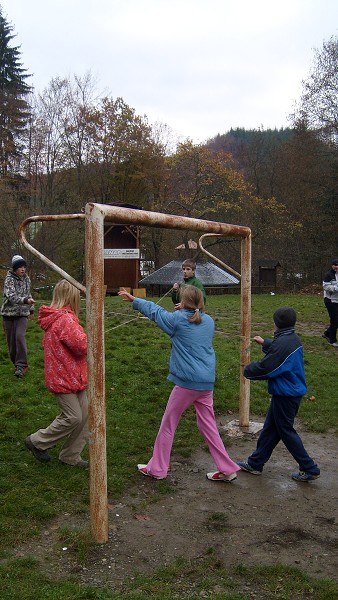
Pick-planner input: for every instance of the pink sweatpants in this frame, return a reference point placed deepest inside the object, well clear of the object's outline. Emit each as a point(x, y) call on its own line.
point(179, 400)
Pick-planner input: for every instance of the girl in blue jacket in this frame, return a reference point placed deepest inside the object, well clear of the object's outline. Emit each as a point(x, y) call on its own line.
point(192, 370)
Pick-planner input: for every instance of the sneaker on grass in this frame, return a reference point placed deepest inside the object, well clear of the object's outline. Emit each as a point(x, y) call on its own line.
point(246, 467)
point(84, 464)
point(144, 471)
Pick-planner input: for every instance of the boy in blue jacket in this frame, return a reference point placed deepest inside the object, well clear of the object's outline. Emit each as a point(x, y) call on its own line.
point(283, 367)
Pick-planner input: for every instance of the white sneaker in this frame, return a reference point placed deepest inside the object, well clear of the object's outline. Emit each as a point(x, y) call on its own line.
point(334, 344)
point(218, 476)
point(144, 471)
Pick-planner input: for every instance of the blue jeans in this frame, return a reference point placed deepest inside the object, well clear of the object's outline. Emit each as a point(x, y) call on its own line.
point(278, 426)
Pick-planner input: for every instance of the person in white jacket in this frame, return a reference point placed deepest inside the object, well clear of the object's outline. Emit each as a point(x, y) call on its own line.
point(330, 285)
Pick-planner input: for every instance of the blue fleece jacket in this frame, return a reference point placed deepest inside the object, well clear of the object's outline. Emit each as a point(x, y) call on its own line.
point(282, 365)
point(192, 361)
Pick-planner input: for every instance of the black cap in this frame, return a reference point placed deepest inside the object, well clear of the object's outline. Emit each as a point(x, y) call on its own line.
point(285, 317)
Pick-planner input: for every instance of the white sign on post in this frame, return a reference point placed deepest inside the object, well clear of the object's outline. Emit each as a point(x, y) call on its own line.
point(121, 253)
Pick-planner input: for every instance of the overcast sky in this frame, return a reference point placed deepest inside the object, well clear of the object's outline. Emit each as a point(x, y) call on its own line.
point(200, 66)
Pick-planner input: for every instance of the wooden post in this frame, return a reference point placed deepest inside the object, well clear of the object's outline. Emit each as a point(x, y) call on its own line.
point(96, 373)
point(244, 395)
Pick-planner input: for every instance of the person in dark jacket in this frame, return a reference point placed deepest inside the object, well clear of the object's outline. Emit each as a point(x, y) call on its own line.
point(283, 368)
point(330, 286)
point(189, 278)
point(17, 308)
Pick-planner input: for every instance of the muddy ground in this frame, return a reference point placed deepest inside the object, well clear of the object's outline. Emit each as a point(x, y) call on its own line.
point(256, 520)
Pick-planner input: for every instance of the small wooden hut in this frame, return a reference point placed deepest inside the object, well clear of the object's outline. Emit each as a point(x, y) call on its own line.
point(267, 274)
point(121, 255)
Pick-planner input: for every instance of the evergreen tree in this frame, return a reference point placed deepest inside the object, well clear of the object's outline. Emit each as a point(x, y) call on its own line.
point(14, 108)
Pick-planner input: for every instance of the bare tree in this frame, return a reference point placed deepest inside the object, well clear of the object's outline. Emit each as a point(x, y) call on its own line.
point(318, 107)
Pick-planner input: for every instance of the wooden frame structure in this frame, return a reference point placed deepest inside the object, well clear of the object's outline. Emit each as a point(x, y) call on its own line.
point(95, 216)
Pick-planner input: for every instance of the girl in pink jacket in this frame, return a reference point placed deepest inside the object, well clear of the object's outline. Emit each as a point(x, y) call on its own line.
point(65, 352)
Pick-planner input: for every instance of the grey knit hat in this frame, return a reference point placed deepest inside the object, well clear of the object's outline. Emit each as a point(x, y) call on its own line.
point(18, 261)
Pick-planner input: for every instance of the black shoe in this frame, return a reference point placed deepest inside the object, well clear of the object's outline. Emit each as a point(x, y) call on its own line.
point(41, 455)
point(82, 463)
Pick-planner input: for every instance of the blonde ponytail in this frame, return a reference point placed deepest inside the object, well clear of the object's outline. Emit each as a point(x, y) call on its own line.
point(192, 299)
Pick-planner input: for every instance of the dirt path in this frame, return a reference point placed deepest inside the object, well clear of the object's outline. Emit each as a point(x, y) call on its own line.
point(255, 520)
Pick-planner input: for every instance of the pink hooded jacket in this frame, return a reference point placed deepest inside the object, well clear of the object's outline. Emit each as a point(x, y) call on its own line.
point(65, 349)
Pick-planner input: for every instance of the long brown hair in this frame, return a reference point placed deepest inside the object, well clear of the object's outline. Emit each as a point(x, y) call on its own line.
point(192, 299)
point(66, 294)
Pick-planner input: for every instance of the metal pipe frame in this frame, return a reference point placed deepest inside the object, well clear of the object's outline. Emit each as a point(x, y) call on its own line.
point(47, 261)
point(95, 215)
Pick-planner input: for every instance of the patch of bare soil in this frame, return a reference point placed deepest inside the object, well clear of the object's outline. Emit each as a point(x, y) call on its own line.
point(256, 520)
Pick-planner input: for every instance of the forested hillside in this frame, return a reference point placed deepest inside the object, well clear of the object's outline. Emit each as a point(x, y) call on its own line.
point(65, 145)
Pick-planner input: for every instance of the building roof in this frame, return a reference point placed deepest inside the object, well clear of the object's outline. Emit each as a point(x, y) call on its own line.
point(191, 245)
point(208, 273)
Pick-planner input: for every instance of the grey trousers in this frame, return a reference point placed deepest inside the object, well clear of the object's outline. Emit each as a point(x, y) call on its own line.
point(15, 332)
point(71, 424)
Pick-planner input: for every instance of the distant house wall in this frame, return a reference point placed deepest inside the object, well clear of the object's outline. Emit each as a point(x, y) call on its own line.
point(121, 272)
point(268, 275)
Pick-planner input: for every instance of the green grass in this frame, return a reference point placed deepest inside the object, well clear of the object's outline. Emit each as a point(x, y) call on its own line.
point(203, 577)
point(136, 393)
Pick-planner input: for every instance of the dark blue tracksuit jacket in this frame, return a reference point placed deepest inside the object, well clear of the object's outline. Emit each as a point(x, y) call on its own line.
point(282, 365)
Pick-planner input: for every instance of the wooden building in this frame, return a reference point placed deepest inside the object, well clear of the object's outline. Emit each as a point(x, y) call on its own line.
point(267, 270)
point(121, 255)
point(215, 280)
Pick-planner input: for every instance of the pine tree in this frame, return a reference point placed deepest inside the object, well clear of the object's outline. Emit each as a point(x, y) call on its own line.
point(14, 108)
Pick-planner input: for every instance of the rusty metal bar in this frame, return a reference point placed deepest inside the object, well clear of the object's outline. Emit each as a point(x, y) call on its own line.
point(49, 263)
point(244, 384)
point(153, 219)
point(96, 373)
point(95, 359)
point(134, 216)
point(215, 258)
point(95, 214)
